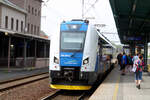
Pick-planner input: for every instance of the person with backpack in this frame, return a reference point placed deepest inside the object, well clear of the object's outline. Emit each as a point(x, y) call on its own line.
point(138, 73)
point(119, 57)
point(136, 57)
point(123, 63)
point(129, 63)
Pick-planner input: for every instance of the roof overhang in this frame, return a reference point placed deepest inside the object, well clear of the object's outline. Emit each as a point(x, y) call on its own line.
point(132, 19)
point(23, 35)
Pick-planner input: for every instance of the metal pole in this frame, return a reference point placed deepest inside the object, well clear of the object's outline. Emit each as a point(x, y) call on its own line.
point(145, 52)
point(132, 49)
point(35, 50)
point(25, 52)
point(3, 43)
point(145, 55)
point(44, 50)
point(45, 53)
point(9, 43)
point(82, 9)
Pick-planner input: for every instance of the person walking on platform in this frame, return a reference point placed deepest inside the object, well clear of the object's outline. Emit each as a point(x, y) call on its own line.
point(138, 73)
point(119, 57)
point(130, 63)
point(124, 63)
point(136, 57)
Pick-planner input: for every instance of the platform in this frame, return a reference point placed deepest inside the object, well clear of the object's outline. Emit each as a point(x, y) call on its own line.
point(19, 73)
point(118, 87)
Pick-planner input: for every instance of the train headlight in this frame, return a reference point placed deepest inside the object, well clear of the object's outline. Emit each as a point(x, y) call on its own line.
point(56, 60)
point(74, 26)
point(86, 61)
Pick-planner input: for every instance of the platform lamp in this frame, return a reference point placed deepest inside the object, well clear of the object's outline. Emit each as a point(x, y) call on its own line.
point(9, 44)
point(6, 33)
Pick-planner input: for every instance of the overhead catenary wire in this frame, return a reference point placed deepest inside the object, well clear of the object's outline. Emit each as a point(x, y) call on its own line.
point(91, 6)
point(82, 9)
point(44, 3)
point(56, 12)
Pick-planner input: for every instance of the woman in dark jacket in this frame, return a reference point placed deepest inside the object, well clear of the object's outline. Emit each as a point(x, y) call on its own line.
point(119, 57)
point(138, 74)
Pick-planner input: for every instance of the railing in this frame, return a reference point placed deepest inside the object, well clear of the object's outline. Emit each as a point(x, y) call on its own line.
point(32, 62)
point(42, 62)
point(4, 62)
point(29, 62)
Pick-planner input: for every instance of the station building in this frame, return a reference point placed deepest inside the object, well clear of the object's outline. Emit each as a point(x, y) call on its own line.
point(21, 41)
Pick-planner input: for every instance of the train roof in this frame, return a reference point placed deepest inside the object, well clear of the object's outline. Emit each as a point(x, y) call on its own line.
point(105, 40)
point(76, 21)
point(81, 21)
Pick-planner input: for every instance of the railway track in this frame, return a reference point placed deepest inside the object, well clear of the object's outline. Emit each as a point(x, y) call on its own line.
point(72, 95)
point(9, 84)
point(75, 95)
point(66, 95)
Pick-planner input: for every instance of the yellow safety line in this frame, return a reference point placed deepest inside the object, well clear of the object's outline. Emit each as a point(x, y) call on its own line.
point(116, 89)
point(70, 87)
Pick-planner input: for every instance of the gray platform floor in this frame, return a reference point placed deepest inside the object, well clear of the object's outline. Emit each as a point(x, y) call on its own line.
point(18, 73)
point(118, 87)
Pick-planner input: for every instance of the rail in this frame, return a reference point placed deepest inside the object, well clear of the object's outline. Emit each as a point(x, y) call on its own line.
point(64, 94)
point(9, 84)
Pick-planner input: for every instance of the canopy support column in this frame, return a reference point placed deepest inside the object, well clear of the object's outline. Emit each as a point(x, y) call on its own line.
point(132, 49)
point(9, 43)
point(25, 52)
point(35, 52)
point(45, 54)
point(145, 55)
point(146, 52)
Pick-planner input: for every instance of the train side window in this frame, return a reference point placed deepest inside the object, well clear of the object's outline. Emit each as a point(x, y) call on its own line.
point(99, 41)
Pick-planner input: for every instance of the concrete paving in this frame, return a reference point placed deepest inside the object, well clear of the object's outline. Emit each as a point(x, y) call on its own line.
point(118, 87)
point(19, 72)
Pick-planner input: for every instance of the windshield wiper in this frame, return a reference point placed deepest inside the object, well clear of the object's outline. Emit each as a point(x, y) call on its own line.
point(75, 53)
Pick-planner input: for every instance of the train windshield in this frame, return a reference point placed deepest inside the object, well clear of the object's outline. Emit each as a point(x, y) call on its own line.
point(72, 41)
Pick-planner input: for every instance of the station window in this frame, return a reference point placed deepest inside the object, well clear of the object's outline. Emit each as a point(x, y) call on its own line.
point(6, 21)
point(31, 28)
point(21, 26)
point(32, 10)
point(39, 13)
point(34, 29)
point(12, 23)
point(29, 9)
point(28, 27)
point(17, 22)
point(38, 29)
point(35, 12)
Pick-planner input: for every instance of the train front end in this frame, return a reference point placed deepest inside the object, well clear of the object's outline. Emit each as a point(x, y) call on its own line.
point(65, 65)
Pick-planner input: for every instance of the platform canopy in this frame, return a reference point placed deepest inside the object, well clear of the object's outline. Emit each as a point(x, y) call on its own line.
point(132, 19)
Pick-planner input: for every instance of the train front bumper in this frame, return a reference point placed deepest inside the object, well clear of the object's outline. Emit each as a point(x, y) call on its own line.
point(70, 87)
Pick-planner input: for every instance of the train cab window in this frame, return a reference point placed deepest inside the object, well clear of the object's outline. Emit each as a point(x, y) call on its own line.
point(72, 41)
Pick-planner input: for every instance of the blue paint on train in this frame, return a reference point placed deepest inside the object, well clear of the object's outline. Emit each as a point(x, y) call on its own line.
point(64, 27)
point(71, 59)
point(74, 26)
point(97, 63)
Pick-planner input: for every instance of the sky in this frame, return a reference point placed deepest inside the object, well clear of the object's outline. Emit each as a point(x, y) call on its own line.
point(99, 11)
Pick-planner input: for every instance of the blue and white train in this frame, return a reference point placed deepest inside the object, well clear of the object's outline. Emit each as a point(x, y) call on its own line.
point(76, 56)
